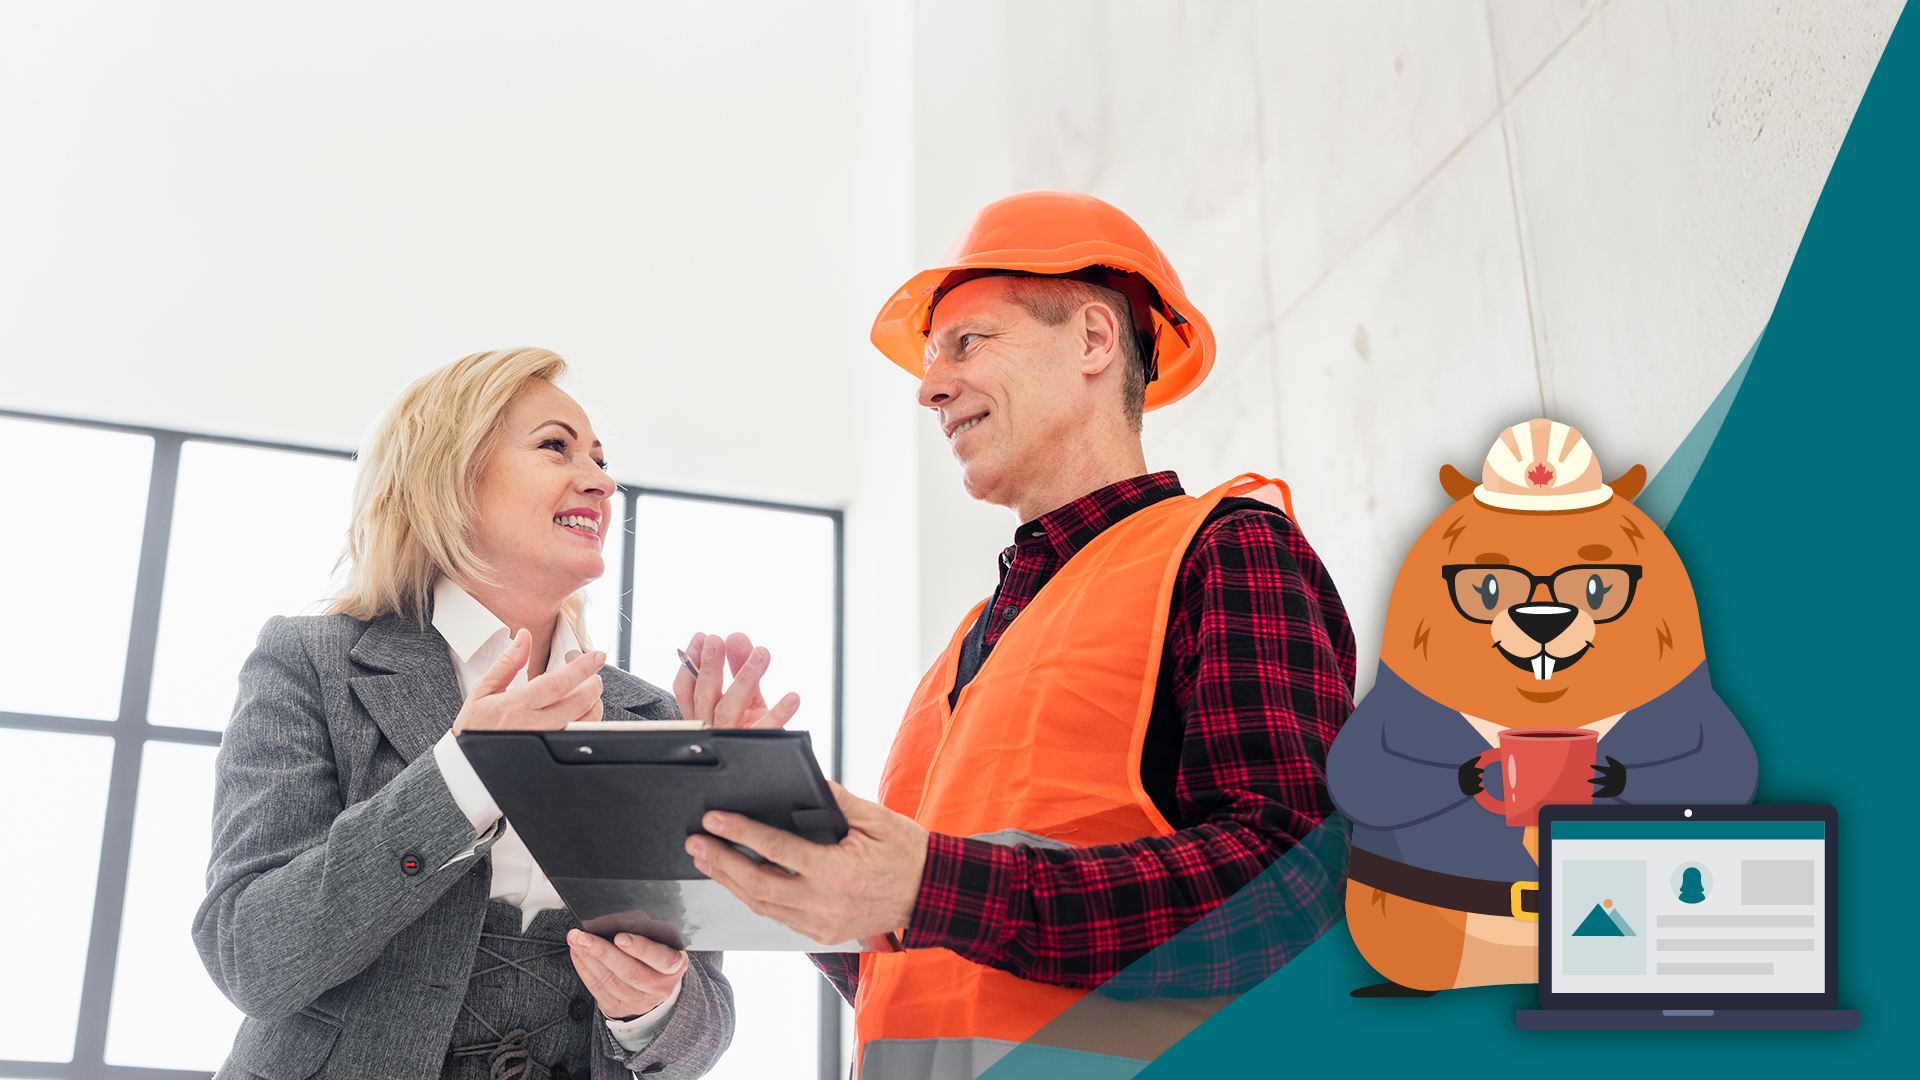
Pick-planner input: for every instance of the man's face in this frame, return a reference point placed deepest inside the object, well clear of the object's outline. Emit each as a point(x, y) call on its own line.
point(1008, 390)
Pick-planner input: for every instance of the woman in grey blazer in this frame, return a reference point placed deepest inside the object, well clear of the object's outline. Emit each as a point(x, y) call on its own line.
point(367, 907)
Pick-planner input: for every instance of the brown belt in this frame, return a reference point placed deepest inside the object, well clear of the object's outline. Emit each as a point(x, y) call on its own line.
point(1520, 899)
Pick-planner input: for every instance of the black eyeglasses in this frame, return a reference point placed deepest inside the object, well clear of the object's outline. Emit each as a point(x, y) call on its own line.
point(1481, 592)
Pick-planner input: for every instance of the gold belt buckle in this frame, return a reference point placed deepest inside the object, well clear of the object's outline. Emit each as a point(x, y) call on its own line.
point(1513, 896)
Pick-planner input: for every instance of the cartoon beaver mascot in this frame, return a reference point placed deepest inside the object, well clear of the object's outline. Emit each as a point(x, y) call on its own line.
point(1541, 599)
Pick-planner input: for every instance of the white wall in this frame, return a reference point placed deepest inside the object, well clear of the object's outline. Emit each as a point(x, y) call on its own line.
point(883, 521)
point(266, 219)
point(1411, 223)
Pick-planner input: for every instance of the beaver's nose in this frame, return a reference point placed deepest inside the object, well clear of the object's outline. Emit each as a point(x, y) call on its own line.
point(1542, 622)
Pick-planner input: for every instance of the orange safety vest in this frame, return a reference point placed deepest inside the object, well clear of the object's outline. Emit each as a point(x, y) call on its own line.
point(1048, 743)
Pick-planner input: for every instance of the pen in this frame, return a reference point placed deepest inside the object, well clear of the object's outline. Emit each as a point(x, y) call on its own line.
point(687, 663)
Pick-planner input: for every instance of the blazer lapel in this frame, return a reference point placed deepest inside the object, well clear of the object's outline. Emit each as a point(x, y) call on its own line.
point(641, 699)
point(412, 693)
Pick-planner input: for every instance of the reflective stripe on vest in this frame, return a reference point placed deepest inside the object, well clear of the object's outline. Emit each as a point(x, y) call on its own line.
point(1046, 751)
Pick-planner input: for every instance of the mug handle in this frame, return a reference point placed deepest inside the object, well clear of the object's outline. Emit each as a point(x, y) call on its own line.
point(1483, 796)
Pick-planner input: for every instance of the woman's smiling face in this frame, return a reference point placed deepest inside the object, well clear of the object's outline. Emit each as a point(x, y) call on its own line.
point(540, 505)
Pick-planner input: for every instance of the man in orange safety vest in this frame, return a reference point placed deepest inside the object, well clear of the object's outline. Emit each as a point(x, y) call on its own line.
point(1129, 732)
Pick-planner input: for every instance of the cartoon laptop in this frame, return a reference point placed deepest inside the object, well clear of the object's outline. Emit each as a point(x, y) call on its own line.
point(1710, 917)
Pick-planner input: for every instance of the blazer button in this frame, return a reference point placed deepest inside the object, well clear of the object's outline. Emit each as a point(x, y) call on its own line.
point(580, 1008)
point(410, 864)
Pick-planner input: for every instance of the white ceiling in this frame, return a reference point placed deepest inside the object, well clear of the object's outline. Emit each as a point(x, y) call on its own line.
point(265, 219)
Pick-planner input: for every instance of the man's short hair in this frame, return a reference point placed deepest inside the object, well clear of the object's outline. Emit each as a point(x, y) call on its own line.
point(1052, 299)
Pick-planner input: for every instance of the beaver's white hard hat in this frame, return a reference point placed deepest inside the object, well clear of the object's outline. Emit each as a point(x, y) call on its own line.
point(1541, 465)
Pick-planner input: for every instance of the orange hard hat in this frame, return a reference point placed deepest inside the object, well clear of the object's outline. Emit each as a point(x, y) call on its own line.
point(1063, 234)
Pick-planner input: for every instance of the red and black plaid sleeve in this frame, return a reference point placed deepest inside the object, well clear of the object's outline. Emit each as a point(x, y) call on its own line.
point(1263, 667)
point(842, 970)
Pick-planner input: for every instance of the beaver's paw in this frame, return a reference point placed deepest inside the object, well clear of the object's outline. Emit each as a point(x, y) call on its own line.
point(1470, 776)
point(1611, 781)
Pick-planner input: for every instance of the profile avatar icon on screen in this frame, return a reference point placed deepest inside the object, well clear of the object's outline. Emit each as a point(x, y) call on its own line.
point(1690, 890)
point(1691, 882)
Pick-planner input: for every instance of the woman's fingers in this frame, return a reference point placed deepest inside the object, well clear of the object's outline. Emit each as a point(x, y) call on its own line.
point(683, 679)
point(781, 712)
point(664, 959)
point(713, 701)
point(732, 709)
point(592, 713)
point(706, 691)
point(622, 984)
point(552, 701)
point(500, 674)
point(487, 708)
point(548, 689)
point(579, 703)
point(739, 650)
point(739, 647)
point(615, 998)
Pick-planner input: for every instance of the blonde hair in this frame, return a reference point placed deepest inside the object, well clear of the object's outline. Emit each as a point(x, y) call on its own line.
point(413, 500)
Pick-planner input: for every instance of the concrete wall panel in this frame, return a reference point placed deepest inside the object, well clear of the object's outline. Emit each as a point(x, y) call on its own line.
point(1358, 103)
point(1669, 158)
point(1415, 352)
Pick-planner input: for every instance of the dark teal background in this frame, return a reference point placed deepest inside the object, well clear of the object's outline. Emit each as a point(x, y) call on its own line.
point(1799, 534)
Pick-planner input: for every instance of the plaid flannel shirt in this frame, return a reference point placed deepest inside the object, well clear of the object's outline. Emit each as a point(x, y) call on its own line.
point(1263, 663)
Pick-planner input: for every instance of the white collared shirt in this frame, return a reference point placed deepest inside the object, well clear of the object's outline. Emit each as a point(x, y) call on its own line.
point(475, 639)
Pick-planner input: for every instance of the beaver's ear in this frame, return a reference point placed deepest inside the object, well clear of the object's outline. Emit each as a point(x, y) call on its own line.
point(1458, 486)
point(1630, 482)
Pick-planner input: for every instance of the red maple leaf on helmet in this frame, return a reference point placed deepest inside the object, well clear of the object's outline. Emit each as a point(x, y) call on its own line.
point(1540, 475)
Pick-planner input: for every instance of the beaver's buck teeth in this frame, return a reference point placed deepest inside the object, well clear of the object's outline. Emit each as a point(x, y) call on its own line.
point(1536, 668)
point(578, 522)
point(1547, 663)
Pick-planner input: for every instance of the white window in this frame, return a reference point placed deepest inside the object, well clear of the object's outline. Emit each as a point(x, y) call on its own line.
point(128, 609)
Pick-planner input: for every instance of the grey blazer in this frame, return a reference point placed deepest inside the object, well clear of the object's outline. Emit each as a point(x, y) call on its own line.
point(346, 965)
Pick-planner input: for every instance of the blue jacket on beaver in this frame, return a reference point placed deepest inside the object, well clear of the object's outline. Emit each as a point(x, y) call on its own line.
point(1541, 599)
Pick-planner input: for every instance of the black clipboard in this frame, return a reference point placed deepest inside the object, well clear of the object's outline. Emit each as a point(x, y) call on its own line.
point(606, 814)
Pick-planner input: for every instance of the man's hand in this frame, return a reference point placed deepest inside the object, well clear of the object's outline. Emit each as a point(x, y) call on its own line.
point(709, 700)
point(547, 703)
point(630, 975)
point(864, 886)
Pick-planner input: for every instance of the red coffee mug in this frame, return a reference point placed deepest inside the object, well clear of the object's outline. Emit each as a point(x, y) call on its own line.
point(1540, 766)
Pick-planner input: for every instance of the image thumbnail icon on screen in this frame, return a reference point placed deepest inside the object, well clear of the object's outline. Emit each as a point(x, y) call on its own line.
point(1604, 921)
point(1603, 916)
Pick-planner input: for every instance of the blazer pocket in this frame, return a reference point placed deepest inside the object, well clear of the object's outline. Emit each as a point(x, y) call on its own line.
point(291, 1049)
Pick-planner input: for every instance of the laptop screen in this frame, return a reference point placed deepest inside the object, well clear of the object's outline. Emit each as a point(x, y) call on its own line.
point(1679, 907)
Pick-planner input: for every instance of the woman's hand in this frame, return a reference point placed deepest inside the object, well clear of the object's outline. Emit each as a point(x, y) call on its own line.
point(547, 703)
point(630, 975)
point(740, 705)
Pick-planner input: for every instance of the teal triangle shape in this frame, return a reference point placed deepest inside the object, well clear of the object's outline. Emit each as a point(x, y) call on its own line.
point(1664, 492)
point(1596, 924)
point(1797, 469)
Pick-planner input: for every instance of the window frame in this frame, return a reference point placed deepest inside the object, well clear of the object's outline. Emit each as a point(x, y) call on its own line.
point(131, 732)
